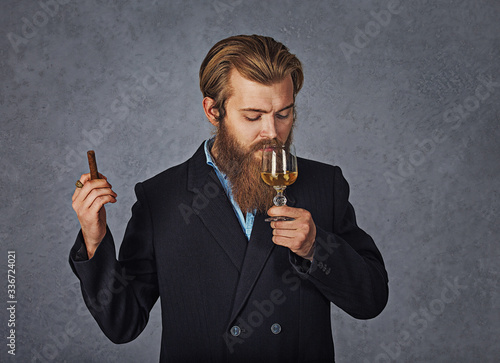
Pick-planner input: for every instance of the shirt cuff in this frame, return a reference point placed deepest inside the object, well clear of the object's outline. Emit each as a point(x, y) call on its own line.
point(79, 250)
point(81, 254)
point(302, 265)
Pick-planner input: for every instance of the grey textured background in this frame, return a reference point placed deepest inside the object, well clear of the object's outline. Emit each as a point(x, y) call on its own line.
point(424, 176)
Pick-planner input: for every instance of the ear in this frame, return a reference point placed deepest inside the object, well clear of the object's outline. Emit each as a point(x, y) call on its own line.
point(211, 112)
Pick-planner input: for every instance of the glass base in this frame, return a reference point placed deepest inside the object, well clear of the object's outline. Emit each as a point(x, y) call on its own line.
point(276, 219)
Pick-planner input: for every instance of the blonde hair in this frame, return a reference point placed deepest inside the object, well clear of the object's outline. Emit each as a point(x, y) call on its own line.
point(257, 58)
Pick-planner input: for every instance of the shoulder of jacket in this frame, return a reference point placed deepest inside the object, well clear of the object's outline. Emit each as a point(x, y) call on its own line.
point(309, 165)
point(172, 175)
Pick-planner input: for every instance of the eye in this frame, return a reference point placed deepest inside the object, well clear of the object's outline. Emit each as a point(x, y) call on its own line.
point(252, 118)
point(282, 117)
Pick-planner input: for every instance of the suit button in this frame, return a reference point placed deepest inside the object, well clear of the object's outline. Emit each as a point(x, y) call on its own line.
point(235, 331)
point(276, 328)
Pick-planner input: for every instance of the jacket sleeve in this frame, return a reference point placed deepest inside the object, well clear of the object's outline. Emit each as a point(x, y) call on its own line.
point(120, 293)
point(347, 267)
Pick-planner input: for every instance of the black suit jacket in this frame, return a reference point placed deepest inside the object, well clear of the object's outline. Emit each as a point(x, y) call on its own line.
point(223, 298)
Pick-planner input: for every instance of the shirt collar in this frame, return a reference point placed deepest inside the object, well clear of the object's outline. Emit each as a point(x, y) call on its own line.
point(208, 146)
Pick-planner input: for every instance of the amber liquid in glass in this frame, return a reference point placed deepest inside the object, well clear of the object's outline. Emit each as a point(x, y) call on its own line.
point(278, 180)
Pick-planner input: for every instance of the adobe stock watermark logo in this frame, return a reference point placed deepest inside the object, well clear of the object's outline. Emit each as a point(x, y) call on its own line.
point(244, 328)
point(201, 200)
point(223, 8)
point(262, 310)
point(129, 98)
point(419, 321)
point(31, 27)
point(455, 117)
point(371, 30)
point(58, 342)
point(61, 340)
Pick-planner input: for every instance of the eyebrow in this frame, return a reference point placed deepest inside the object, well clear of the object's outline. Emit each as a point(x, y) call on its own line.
point(264, 111)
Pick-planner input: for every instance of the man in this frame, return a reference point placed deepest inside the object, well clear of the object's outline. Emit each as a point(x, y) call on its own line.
point(233, 287)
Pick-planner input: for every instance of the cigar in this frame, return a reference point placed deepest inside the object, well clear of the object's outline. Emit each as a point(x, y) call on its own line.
point(92, 165)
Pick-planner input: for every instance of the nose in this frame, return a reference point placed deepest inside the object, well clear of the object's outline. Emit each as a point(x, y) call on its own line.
point(268, 127)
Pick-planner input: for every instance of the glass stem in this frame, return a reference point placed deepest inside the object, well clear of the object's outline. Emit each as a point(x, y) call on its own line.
point(279, 200)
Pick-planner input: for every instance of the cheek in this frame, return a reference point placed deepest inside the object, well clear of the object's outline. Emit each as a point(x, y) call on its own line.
point(244, 132)
point(249, 131)
point(283, 130)
point(247, 136)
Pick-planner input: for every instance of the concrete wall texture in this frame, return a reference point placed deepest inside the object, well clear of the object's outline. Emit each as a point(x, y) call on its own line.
point(403, 95)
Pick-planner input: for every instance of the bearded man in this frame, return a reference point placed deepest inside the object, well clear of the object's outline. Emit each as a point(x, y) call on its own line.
point(233, 287)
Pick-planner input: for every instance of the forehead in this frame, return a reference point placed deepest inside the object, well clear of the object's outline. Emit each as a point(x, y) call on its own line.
point(246, 93)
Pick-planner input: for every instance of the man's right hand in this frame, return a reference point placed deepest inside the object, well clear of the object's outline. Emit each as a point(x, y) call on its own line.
point(88, 203)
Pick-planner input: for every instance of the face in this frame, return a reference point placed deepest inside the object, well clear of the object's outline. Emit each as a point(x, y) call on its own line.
point(257, 112)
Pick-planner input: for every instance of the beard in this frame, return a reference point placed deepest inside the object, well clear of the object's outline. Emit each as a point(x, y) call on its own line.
point(242, 169)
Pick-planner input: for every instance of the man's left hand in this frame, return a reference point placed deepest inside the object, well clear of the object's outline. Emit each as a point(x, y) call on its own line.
point(298, 235)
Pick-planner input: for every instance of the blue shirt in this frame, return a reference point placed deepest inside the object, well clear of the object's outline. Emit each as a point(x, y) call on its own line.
point(245, 221)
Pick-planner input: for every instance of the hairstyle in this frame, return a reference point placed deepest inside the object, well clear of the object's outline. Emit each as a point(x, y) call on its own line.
point(257, 58)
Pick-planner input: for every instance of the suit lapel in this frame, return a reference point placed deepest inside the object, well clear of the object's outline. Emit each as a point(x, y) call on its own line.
point(212, 206)
point(259, 248)
point(258, 251)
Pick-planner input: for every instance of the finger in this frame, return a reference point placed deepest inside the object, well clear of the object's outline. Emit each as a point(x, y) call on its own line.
point(96, 193)
point(284, 225)
point(284, 211)
point(290, 243)
point(92, 217)
point(96, 184)
point(288, 233)
point(294, 244)
point(299, 223)
point(100, 201)
point(77, 191)
point(86, 177)
point(282, 241)
point(97, 187)
point(277, 211)
point(93, 204)
point(298, 235)
point(82, 193)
